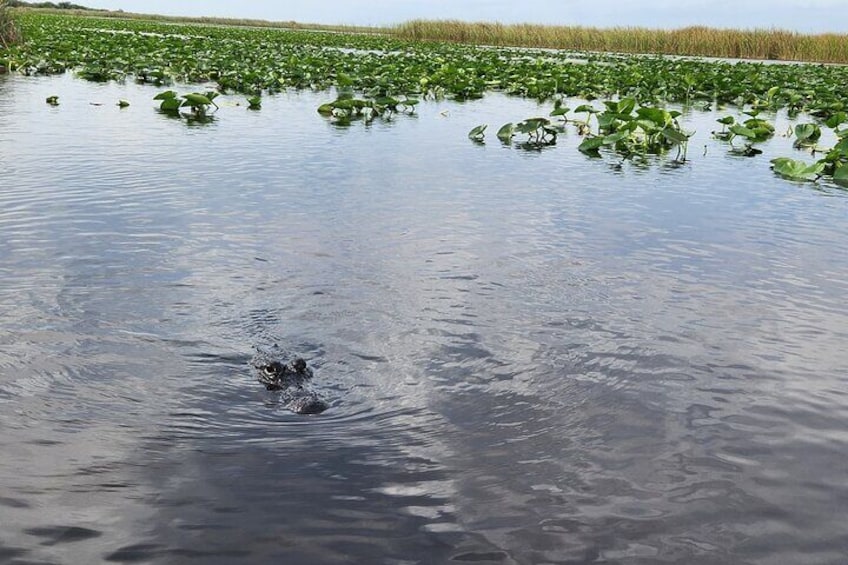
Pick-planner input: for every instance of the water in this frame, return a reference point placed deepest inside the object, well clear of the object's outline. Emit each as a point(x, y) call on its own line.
point(531, 357)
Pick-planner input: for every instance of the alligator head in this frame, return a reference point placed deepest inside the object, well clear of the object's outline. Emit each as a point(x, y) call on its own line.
point(292, 380)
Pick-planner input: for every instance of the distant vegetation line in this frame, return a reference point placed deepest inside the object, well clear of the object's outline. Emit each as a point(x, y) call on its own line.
point(50, 5)
point(73, 9)
point(769, 44)
point(773, 44)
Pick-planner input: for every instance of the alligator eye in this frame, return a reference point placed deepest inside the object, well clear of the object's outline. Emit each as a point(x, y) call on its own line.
point(269, 370)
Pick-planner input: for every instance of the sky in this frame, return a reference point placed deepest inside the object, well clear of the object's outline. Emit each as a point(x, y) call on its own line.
point(809, 16)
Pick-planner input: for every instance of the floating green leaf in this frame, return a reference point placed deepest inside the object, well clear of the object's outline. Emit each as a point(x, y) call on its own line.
point(742, 131)
point(585, 108)
point(614, 138)
point(167, 95)
point(559, 111)
point(171, 102)
point(675, 136)
point(841, 148)
point(477, 133)
point(658, 116)
point(837, 119)
point(797, 170)
point(591, 145)
point(622, 107)
point(506, 132)
point(806, 134)
point(840, 175)
point(171, 105)
point(772, 92)
point(195, 99)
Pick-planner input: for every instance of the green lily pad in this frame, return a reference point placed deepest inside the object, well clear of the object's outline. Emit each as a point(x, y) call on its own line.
point(477, 133)
point(797, 170)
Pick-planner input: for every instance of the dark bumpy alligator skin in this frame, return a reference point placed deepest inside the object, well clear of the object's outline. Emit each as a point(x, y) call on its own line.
point(291, 379)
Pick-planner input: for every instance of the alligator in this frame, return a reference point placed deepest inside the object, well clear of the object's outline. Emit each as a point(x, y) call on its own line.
point(291, 379)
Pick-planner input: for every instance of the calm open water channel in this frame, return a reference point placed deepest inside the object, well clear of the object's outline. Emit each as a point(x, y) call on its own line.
point(531, 357)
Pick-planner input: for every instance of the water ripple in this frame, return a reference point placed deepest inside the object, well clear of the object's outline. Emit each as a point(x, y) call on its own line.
point(528, 357)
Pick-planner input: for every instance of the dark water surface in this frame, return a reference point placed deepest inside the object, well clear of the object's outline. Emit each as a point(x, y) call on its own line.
point(530, 357)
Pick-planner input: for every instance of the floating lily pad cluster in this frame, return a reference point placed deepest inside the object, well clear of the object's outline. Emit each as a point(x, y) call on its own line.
point(252, 60)
point(752, 130)
point(539, 132)
point(834, 164)
point(637, 131)
point(755, 129)
point(346, 107)
point(531, 133)
point(622, 128)
point(198, 105)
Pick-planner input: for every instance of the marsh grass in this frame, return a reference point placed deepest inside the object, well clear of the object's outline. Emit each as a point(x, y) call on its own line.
point(770, 44)
point(238, 22)
point(9, 31)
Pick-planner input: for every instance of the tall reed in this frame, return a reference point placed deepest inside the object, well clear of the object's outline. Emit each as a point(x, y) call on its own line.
point(774, 44)
point(9, 32)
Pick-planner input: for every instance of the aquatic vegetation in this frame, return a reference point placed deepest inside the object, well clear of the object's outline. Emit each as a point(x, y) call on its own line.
point(834, 164)
point(806, 135)
point(346, 107)
point(725, 134)
point(96, 73)
point(629, 131)
point(755, 128)
point(840, 176)
point(539, 131)
point(622, 129)
point(752, 130)
point(271, 60)
point(506, 132)
point(797, 170)
point(378, 76)
point(198, 104)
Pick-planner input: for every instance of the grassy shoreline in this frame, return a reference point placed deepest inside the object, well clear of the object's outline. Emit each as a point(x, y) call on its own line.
point(755, 44)
point(758, 44)
point(205, 20)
